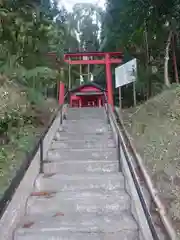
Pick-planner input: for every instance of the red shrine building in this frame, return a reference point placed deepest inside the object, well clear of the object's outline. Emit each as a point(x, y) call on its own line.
point(90, 94)
point(87, 95)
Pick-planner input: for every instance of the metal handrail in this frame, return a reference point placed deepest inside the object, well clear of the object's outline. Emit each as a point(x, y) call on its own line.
point(107, 106)
point(165, 224)
point(121, 145)
point(40, 143)
point(8, 194)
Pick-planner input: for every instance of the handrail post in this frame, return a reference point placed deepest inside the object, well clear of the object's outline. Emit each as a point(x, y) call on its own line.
point(119, 151)
point(107, 112)
point(41, 170)
point(61, 116)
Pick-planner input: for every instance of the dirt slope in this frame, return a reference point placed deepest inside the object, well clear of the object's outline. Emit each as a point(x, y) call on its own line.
point(155, 127)
point(25, 124)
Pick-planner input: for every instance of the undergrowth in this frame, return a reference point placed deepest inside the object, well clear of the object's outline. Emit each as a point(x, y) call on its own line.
point(24, 113)
point(155, 130)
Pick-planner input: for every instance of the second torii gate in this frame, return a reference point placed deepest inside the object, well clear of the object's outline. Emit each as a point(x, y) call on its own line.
point(107, 58)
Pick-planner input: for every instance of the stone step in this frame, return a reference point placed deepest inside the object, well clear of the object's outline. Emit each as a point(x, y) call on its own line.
point(85, 224)
point(82, 154)
point(85, 121)
point(73, 167)
point(81, 125)
point(81, 117)
point(91, 112)
point(74, 137)
point(78, 182)
point(89, 129)
point(65, 235)
point(83, 138)
point(86, 110)
point(82, 144)
point(99, 136)
point(78, 203)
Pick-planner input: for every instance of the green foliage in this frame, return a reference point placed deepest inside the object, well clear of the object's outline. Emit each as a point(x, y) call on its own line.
point(9, 120)
point(141, 29)
point(28, 32)
point(41, 77)
point(35, 97)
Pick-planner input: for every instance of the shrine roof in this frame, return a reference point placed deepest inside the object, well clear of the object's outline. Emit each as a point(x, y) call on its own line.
point(89, 84)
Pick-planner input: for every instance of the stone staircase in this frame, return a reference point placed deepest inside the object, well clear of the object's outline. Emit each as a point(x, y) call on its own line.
point(81, 195)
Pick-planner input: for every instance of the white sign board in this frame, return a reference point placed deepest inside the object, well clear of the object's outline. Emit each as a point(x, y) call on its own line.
point(85, 57)
point(126, 73)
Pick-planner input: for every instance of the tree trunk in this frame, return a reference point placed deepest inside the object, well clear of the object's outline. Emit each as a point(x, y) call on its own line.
point(174, 60)
point(166, 60)
point(149, 82)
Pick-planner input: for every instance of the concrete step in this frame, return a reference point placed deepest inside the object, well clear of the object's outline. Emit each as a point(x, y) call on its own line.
point(99, 136)
point(89, 129)
point(78, 203)
point(81, 117)
point(82, 144)
point(73, 167)
point(65, 235)
point(89, 124)
point(76, 113)
point(63, 136)
point(85, 121)
point(87, 110)
point(82, 154)
point(78, 182)
point(122, 226)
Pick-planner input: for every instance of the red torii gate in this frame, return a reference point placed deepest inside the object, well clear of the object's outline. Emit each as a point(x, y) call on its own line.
point(107, 59)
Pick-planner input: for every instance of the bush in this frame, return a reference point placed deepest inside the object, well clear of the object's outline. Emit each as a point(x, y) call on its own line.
point(35, 97)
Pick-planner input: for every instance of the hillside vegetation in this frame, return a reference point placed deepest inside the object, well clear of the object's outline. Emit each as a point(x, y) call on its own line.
point(24, 113)
point(155, 127)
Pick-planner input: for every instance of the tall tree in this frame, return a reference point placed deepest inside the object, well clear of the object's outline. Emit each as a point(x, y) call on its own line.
point(144, 29)
point(87, 22)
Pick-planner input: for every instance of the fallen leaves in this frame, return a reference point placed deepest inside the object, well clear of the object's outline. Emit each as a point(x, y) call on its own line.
point(43, 194)
point(28, 224)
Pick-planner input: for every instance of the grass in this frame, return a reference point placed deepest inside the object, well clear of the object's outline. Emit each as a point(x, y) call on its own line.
point(13, 153)
point(155, 130)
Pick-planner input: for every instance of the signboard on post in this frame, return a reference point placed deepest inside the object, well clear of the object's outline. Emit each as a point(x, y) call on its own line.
point(126, 74)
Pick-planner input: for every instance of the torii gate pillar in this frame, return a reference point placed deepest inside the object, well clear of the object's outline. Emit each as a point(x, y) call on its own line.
point(61, 93)
point(109, 80)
